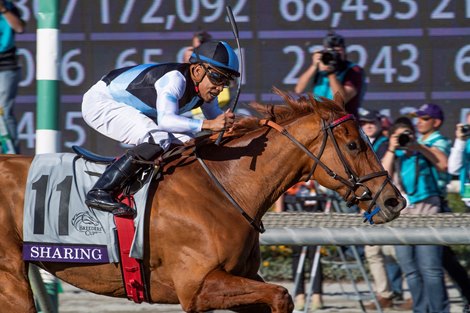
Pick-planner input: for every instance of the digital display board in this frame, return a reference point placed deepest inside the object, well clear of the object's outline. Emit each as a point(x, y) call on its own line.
point(413, 52)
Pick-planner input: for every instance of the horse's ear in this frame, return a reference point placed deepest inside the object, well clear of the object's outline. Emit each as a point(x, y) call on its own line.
point(338, 98)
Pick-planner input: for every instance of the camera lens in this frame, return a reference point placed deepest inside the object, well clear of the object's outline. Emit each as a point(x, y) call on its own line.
point(327, 57)
point(404, 138)
point(466, 130)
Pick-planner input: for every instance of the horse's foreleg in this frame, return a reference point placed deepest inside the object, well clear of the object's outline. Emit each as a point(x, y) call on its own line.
point(221, 290)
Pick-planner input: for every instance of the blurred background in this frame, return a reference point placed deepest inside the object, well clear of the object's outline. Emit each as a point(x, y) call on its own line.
point(413, 52)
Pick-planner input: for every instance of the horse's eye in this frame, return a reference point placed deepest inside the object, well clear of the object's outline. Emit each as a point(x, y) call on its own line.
point(352, 146)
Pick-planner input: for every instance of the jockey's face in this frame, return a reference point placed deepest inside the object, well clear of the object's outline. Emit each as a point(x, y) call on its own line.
point(212, 83)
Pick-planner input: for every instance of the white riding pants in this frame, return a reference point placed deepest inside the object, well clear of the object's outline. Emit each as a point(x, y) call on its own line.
point(123, 122)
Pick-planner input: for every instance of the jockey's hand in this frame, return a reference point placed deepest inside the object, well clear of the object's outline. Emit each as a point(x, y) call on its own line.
point(222, 122)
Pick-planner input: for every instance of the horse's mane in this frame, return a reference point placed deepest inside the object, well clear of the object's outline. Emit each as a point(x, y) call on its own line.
point(293, 107)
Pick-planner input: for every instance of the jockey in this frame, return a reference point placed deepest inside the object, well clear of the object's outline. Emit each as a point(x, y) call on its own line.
point(142, 105)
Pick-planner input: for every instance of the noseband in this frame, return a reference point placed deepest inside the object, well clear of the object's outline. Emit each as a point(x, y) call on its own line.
point(354, 183)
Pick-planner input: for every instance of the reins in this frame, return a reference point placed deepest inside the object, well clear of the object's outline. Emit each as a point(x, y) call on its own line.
point(353, 183)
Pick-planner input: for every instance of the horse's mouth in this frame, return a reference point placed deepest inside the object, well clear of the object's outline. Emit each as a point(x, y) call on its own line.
point(390, 210)
point(385, 216)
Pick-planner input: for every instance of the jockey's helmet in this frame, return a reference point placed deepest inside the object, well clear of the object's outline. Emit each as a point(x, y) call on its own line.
point(218, 54)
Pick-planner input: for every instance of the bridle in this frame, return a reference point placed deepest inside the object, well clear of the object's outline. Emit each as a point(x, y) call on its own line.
point(354, 182)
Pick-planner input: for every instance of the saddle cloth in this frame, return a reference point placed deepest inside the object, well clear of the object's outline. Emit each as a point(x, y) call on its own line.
point(57, 224)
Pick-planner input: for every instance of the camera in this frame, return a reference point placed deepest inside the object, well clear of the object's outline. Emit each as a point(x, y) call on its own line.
point(466, 130)
point(404, 138)
point(331, 58)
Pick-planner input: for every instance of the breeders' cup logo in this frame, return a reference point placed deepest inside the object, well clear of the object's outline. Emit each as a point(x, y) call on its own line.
point(86, 223)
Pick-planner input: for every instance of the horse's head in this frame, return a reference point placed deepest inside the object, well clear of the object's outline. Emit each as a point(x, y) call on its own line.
point(340, 157)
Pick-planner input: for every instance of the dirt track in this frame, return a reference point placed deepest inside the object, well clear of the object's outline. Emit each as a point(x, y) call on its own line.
point(74, 300)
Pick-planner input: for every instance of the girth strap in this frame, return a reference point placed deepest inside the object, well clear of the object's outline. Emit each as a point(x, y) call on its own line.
point(131, 269)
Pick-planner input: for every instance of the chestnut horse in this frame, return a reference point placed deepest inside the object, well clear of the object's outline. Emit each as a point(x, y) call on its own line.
point(200, 251)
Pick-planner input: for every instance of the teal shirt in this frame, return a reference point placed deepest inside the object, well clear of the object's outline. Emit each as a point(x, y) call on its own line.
point(7, 35)
point(322, 86)
point(419, 177)
point(465, 170)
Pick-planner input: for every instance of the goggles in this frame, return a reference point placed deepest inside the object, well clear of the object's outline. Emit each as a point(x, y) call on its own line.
point(217, 78)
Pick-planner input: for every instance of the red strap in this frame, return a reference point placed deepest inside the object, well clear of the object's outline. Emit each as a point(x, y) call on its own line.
point(131, 268)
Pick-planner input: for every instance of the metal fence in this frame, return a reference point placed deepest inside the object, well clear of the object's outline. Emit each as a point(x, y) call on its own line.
point(348, 229)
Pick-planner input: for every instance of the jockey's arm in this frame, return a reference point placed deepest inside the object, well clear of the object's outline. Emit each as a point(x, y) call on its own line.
point(221, 122)
point(211, 109)
point(215, 117)
point(168, 109)
point(167, 105)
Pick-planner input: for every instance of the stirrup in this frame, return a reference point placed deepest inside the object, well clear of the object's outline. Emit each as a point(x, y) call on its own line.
point(124, 210)
point(117, 209)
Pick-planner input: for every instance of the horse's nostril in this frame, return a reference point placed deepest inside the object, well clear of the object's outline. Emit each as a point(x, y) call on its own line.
point(391, 202)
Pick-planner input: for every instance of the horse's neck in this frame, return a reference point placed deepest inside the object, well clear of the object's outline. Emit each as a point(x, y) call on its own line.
point(256, 182)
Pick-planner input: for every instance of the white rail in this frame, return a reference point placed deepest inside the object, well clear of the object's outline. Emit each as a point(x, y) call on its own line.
point(348, 229)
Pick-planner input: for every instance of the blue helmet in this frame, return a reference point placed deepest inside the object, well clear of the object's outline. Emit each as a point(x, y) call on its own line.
point(219, 55)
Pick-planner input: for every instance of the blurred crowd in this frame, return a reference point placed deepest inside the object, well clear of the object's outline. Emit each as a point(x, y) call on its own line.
point(421, 161)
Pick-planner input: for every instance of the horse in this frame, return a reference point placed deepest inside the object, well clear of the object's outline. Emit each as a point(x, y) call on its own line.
point(199, 250)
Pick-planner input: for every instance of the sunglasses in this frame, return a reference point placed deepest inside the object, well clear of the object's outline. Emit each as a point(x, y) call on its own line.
point(217, 78)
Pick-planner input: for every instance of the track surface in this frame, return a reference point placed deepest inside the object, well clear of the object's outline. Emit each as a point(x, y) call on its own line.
point(74, 300)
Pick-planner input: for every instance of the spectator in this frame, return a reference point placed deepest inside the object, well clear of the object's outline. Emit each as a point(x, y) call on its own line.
point(459, 159)
point(142, 105)
point(457, 272)
point(376, 256)
point(10, 24)
point(371, 124)
point(331, 72)
point(386, 123)
point(199, 38)
point(459, 164)
point(421, 170)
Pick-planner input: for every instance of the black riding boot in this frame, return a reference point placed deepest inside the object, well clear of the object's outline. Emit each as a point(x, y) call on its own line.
point(103, 195)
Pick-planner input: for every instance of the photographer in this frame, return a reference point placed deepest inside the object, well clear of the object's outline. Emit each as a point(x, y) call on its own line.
point(459, 159)
point(459, 164)
point(331, 72)
point(420, 168)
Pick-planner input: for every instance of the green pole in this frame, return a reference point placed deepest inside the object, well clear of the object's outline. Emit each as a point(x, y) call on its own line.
point(47, 75)
point(47, 120)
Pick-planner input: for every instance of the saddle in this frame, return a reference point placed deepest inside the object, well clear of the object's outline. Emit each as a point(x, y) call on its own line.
point(93, 157)
point(132, 268)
